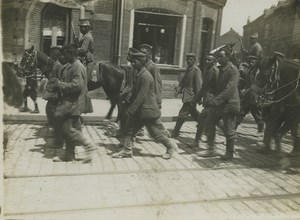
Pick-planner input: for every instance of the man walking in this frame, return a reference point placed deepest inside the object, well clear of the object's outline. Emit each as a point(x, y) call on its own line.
point(189, 86)
point(68, 111)
point(210, 77)
point(144, 111)
point(225, 104)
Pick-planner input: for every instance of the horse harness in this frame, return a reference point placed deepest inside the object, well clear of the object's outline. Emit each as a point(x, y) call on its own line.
point(266, 98)
point(34, 66)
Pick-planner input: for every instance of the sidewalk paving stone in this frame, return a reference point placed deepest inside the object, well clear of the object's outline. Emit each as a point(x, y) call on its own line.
point(184, 187)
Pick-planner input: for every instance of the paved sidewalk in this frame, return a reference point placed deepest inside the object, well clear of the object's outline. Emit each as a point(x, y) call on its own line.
point(170, 109)
point(145, 186)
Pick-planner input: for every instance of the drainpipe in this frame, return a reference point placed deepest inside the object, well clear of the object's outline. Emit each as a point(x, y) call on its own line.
point(193, 25)
point(120, 32)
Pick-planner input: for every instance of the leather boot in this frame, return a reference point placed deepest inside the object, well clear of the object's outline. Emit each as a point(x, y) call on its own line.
point(198, 135)
point(127, 149)
point(296, 148)
point(210, 152)
point(25, 107)
point(36, 109)
point(229, 150)
point(69, 155)
point(177, 128)
point(170, 145)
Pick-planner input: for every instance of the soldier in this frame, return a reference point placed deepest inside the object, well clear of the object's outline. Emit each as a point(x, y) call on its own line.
point(189, 85)
point(154, 70)
point(68, 110)
point(144, 111)
point(52, 95)
point(250, 94)
point(224, 103)
point(255, 48)
point(86, 47)
point(210, 77)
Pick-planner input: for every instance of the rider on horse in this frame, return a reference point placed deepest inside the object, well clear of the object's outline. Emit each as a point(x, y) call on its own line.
point(86, 47)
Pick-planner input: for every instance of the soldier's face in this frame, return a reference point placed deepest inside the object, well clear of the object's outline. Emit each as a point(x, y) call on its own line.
point(190, 61)
point(209, 60)
point(253, 63)
point(222, 58)
point(83, 29)
point(137, 64)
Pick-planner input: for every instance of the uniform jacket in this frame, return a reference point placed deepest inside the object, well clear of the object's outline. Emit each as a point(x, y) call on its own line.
point(129, 81)
point(72, 87)
point(190, 84)
point(144, 104)
point(86, 47)
point(52, 92)
point(209, 83)
point(155, 72)
point(256, 50)
point(226, 97)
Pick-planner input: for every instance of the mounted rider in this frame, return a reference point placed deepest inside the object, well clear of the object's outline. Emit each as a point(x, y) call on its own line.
point(86, 46)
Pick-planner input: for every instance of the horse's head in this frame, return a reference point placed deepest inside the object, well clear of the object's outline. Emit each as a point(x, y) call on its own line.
point(28, 61)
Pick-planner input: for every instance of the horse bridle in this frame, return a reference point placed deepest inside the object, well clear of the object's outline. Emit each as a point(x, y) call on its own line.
point(33, 65)
point(277, 78)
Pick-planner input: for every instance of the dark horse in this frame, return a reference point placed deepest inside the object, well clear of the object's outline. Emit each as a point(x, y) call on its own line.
point(280, 99)
point(109, 76)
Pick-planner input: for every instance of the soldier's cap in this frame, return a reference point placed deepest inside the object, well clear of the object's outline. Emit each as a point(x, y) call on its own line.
point(84, 22)
point(252, 57)
point(130, 51)
point(254, 35)
point(146, 46)
point(138, 56)
point(226, 49)
point(191, 55)
point(279, 54)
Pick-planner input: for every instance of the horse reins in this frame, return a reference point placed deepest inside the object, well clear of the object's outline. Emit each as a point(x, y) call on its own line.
point(289, 94)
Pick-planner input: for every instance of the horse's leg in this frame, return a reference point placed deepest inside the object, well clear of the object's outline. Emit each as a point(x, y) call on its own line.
point(111, 109)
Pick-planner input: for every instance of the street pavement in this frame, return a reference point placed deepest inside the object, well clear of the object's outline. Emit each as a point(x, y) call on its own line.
point(251, 186)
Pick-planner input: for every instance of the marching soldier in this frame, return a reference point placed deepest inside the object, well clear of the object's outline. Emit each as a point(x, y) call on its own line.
point(224, 104)
point(250, 94)
point(189, 85)
point(210, 77)
point(144, 111)
point(69, 110)
point(86, 47)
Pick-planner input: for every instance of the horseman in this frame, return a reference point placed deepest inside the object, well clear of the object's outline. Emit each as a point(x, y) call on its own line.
point(86, 46)
point(255, 47)
point(249, 94)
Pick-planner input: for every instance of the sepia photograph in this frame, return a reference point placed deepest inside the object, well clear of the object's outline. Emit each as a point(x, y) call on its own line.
point(150, 109)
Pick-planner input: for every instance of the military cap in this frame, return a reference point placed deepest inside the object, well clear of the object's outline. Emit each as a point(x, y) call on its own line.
point(252, 57)
point(147, 46)
point(226, 49)
point(191, 55)
point(138, 56)
point(279, 54)
point(130, 51)
point(254, 35)
point(84, 22)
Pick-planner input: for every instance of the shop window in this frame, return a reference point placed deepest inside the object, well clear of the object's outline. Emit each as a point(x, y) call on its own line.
point(55, 26)
point(162, 30)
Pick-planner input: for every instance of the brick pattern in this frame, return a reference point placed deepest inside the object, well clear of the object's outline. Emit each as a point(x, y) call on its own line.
point(187, 185)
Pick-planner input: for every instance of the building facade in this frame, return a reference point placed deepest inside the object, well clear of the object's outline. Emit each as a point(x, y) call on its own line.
point(278, 29)
point(173, 27)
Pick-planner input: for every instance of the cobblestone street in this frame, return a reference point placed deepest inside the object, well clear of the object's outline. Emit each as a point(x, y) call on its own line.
point(145, 186)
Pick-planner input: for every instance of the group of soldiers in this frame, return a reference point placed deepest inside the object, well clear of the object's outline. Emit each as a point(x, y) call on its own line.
point(220, 89)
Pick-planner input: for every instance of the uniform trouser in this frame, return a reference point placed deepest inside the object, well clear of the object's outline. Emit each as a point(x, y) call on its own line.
point(30, 89)
point(201, 122)
point(72, 134)
point(53, 121)
point(188, 109)
point(89, 69)
point(255, 111)
point(154, 126)
point(229, 121)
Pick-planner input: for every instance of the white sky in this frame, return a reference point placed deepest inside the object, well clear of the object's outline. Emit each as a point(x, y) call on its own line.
point(236, 13)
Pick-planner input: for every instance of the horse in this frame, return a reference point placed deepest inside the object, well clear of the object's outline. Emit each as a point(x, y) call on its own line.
point(280, 99)
point(108, 75)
